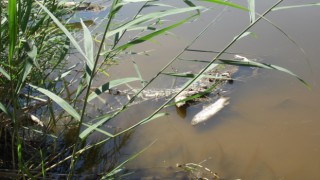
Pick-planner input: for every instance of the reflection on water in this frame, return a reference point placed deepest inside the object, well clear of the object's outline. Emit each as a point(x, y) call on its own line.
point(270, 129)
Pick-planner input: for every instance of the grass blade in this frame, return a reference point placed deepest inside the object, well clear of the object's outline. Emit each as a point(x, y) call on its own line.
point(191, 75)
point(4, 109)
point(251, 63)
point(295, 6)
point(93, 127)
point(42, 165)
point(138, 72)
point(62, 103)
point(4, 72)
point(184, 75)
point(189, 3)
point(12, 28)
point(96, 129)
point(227, 4)
point(116, 6)
point(151, 35)
point(64, 29)
point(244, 35)
point(26, 15)
point(252, 13)
point(26, 70)
point(88, 47)
point(150, 17)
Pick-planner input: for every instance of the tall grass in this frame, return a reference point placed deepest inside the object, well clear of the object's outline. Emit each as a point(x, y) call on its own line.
point(34, 69)
point(23, 26)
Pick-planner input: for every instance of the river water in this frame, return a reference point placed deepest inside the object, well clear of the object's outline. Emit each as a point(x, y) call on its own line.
point(270, 129)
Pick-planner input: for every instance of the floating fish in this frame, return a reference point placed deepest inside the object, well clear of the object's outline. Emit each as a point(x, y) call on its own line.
point(210, 111)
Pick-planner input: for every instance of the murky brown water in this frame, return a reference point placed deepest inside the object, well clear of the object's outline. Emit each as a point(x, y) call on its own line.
point(270, 129)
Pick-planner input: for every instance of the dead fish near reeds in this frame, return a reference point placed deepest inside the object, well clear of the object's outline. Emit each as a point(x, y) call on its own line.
point(202, 88)
point(210, 111)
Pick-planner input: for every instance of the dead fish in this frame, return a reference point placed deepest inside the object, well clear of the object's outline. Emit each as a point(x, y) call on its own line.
point(183, 95)
point(210, 111)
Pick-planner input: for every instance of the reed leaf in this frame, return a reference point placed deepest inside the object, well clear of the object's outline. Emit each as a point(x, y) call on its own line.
point(158, 4)
point(150, 17)
point(88, 47)
point(189, 3)
point(4, 109)
point(251, 63)
point(138, 73)
point(116, 6)
point(68, 71)
point(33, 56)
point(26, 15)
point(80, 87)
point(12, 13)
point(64, 29)
point(252, 13)
point(192, 75)
point(243, 35)
point(295, 6)
point(93, 127)
point(107, 86)
point(42, 165)
point(28, 64)
point(26, 70)
point(227, 4)
point(151, 35)
point(184, 75)
point(61, 102)
point(4, 72)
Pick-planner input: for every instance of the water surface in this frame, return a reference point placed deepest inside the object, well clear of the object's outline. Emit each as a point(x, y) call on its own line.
point(270, 129)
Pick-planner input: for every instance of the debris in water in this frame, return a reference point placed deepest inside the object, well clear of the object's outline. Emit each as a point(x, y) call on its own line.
point(198, 171)
point(36, 120)
point(241, 58)
point(210, 111)
point(183, 95)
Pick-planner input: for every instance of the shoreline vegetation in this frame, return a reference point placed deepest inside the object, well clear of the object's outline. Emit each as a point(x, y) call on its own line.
point(45, 124)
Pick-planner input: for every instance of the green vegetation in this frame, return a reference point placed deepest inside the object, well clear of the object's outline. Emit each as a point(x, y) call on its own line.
point(36, 86)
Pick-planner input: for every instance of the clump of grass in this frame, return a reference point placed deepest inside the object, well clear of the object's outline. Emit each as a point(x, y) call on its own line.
point(27, 41)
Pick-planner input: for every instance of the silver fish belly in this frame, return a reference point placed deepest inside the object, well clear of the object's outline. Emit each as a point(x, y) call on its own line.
point(210, 111)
